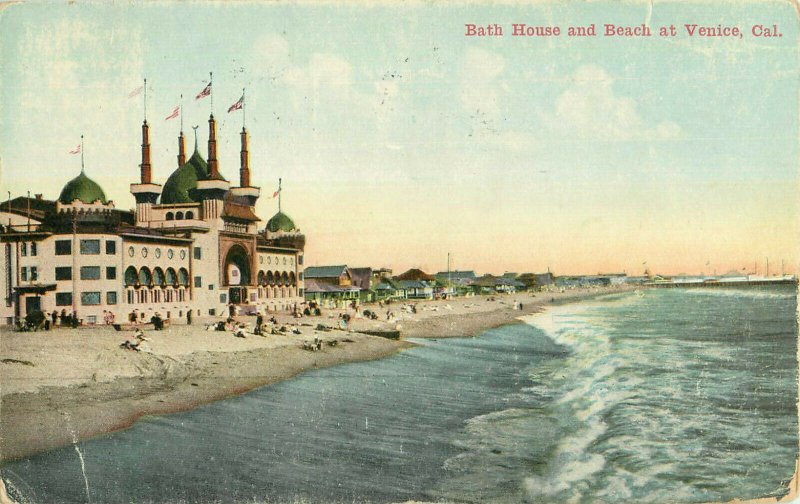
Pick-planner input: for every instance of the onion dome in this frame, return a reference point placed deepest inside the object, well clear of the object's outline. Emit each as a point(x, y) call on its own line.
point(180, 186)
point(280, 222)
point(82, 188)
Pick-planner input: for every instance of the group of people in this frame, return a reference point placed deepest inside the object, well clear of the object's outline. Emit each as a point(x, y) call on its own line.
point(138, 343)
point(65, 319)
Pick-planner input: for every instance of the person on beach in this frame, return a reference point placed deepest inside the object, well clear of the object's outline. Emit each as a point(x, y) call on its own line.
point(259, 322)
point(63, 317)
point(54, 317)
point(189, 317)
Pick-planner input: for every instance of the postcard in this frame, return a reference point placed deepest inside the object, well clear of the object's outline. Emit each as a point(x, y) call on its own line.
point(485, 252)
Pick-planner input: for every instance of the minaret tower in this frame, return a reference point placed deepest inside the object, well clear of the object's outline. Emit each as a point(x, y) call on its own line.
point(145, 192)
point(212, 190)
point(245, 193)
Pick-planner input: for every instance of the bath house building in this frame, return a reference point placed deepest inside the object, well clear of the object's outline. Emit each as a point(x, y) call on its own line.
point(193, 244)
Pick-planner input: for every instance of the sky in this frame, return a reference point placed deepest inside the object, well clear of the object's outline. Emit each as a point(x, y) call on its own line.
point(399, 139)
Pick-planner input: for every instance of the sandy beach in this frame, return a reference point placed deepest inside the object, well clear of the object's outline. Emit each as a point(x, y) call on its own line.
point(65, 385)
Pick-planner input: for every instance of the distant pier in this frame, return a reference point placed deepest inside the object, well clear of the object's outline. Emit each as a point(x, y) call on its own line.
point(708, 283)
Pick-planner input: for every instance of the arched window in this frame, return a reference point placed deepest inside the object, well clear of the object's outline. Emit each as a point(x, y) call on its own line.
point(131, 276)
point(179, 216)
point(292, 279)
point(285, 278)
point(170, 216)
point(158, 277)
point(270, 279)
point(262, 278)
point(277, 278)
point(189, 215)
point(145, 277)
point(183, 277)
point(172, 277)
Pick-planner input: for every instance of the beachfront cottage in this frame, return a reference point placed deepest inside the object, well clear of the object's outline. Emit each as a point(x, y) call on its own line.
point(194, 245)
point(417, 284)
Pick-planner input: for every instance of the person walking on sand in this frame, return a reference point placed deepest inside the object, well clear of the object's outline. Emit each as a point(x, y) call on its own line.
point(54, 317)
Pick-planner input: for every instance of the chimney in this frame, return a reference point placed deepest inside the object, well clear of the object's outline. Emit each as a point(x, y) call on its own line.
point(212, 148)
point(181, 150)
point(145, 166)
point(244, 171)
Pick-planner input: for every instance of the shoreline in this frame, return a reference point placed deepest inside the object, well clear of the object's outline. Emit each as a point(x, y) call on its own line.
point(82, 385)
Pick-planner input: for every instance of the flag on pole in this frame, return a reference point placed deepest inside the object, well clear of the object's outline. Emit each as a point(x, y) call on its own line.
point(174, 114)
point(237, 105)
point(76, 150)
point(275, 194)
point(136, 92)
point(205, 92)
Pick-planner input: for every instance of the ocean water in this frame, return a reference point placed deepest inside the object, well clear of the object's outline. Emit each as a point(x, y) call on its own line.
point(659, 396)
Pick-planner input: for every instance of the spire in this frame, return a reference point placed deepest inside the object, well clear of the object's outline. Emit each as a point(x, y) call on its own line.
point(195, 136)
point(181, 150)
point(213, 167)
point(244, 156)
point(146, 171)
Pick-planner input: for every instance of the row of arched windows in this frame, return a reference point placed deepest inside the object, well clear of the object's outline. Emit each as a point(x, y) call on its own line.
point(276, 293)
point(167, 295)
point(277, 278)
point(180, 215)
point(156, 278)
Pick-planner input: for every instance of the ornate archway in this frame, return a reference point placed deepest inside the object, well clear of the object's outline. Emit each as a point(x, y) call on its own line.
point(237, 266)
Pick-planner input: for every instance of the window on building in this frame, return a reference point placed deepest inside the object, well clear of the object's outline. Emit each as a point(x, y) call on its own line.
point(210, 286)
point(24, 274)
point(90, 298)
point(223, 298)
point(63, 247)
point(189, 215)
point(111, 272)
point(63, 273)
point(198, 253)
point(90, 272)
point(300, 260)
point(63, 298)
point(34, 274)
point(23, 249)
point(170, 216)
point(90, 247)
point(111, 247)
point(198, 282)
point(91, 319)
point(212, 312)
point(111, 297)
point(33, 248)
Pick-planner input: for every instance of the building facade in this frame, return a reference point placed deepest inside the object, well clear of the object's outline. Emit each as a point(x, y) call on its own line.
point(194, 245)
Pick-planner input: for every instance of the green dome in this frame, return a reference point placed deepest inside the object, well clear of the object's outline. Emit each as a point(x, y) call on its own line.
point(280, 222)
point(82, 188)
point(181, 184)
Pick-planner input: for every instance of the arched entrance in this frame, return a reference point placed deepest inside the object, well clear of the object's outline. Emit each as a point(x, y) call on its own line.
point(237, 273)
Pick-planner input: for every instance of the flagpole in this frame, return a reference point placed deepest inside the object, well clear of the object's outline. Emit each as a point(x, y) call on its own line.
point(181, 112)
point(82, 153)
point(145, 99)
point(244, 108)
point(211, 89)
point(279, 195)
